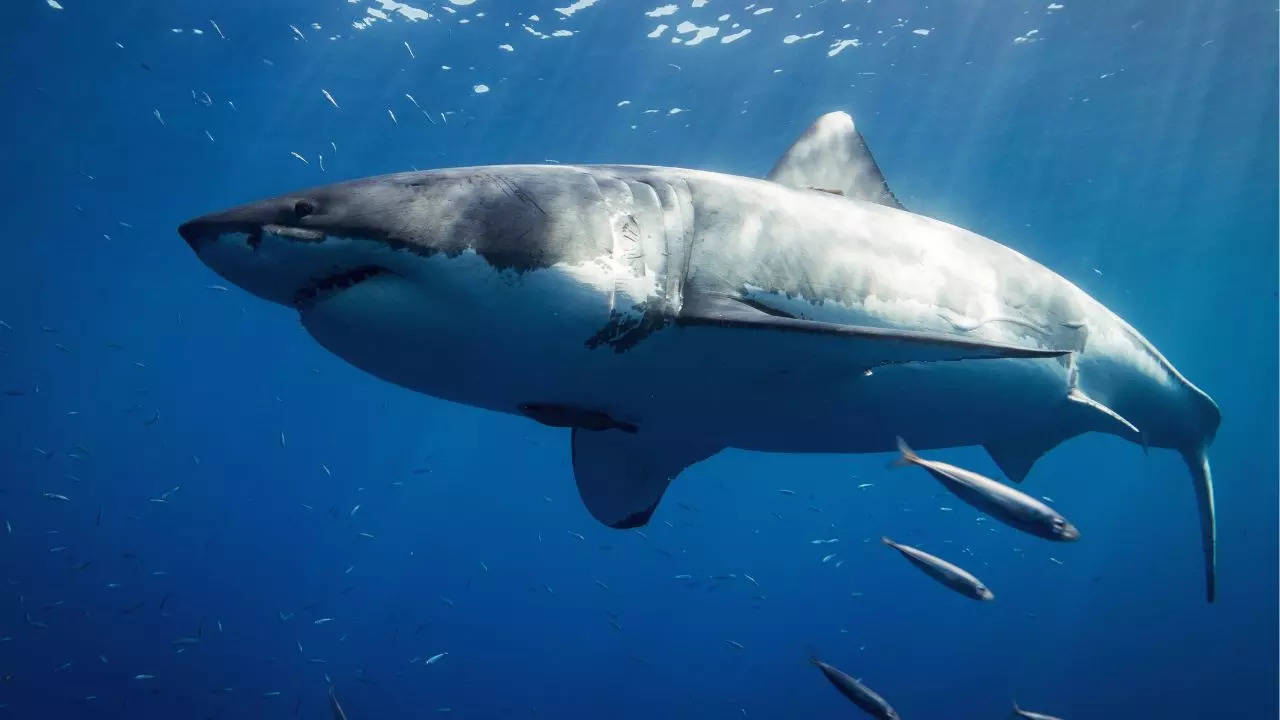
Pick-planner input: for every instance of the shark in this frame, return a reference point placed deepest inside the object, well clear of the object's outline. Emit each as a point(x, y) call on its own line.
point(664, 314)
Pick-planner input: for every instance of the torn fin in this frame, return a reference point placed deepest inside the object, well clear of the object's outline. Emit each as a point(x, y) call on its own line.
point(1202, 480)
point(622, 476)
point(1122, 427)
point(869, 346)
point(831, 156)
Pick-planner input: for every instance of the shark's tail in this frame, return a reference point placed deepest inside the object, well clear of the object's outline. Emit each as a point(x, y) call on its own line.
point(1202, 481)
point(907, 456)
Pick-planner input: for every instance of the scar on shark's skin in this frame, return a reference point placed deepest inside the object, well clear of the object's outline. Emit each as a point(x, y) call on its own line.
point(625, 330)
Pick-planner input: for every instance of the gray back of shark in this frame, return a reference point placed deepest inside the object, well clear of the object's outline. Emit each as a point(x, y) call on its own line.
point(666, 314)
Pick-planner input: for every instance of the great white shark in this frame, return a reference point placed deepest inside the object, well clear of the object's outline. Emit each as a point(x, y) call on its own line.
point(665, 314)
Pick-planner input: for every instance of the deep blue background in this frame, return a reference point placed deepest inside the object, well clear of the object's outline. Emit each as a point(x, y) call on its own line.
point(1154, 188)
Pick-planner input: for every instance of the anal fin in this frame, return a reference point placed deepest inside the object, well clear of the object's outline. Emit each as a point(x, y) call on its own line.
point(622, 476)
point(1081, 414)
point(1015, 456)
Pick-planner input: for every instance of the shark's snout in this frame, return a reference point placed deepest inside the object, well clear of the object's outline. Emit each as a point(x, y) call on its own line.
point(200, 233)
point(280, 251)
point(193, 233)
point(251, 219)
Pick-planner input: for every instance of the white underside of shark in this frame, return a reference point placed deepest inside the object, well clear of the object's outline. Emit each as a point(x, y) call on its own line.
point(698, 311)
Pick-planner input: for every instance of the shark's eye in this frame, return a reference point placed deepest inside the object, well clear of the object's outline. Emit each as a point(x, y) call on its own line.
point(302, 208)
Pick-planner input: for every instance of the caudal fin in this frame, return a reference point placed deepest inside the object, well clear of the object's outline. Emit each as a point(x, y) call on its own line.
point(906, 457)
point(1202, 481)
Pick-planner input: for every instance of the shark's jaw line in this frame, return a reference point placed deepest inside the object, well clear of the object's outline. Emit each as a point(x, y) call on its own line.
point(327, 287)
point(300, 267)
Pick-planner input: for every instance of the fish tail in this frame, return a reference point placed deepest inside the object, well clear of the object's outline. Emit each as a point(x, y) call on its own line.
point(1202, 479)
point(812, 652)
point(906, 457)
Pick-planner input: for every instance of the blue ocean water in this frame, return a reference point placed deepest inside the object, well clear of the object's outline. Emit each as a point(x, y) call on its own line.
point(229, 484)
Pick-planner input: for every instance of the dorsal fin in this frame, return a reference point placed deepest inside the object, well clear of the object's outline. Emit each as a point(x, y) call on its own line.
point(832, 155)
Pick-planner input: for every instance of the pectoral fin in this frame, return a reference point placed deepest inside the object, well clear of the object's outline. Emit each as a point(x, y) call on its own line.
point(622, 476)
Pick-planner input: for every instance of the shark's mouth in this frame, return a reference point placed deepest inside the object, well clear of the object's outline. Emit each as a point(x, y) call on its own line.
point(328, 286)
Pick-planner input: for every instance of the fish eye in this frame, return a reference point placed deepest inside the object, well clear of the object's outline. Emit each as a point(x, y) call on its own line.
point(302, 208)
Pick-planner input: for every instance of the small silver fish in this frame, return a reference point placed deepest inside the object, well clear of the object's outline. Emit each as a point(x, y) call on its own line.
point(338, 714)
point(1011, 507)
point(944, 572)
point(1031, 715)
point(861, 695)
